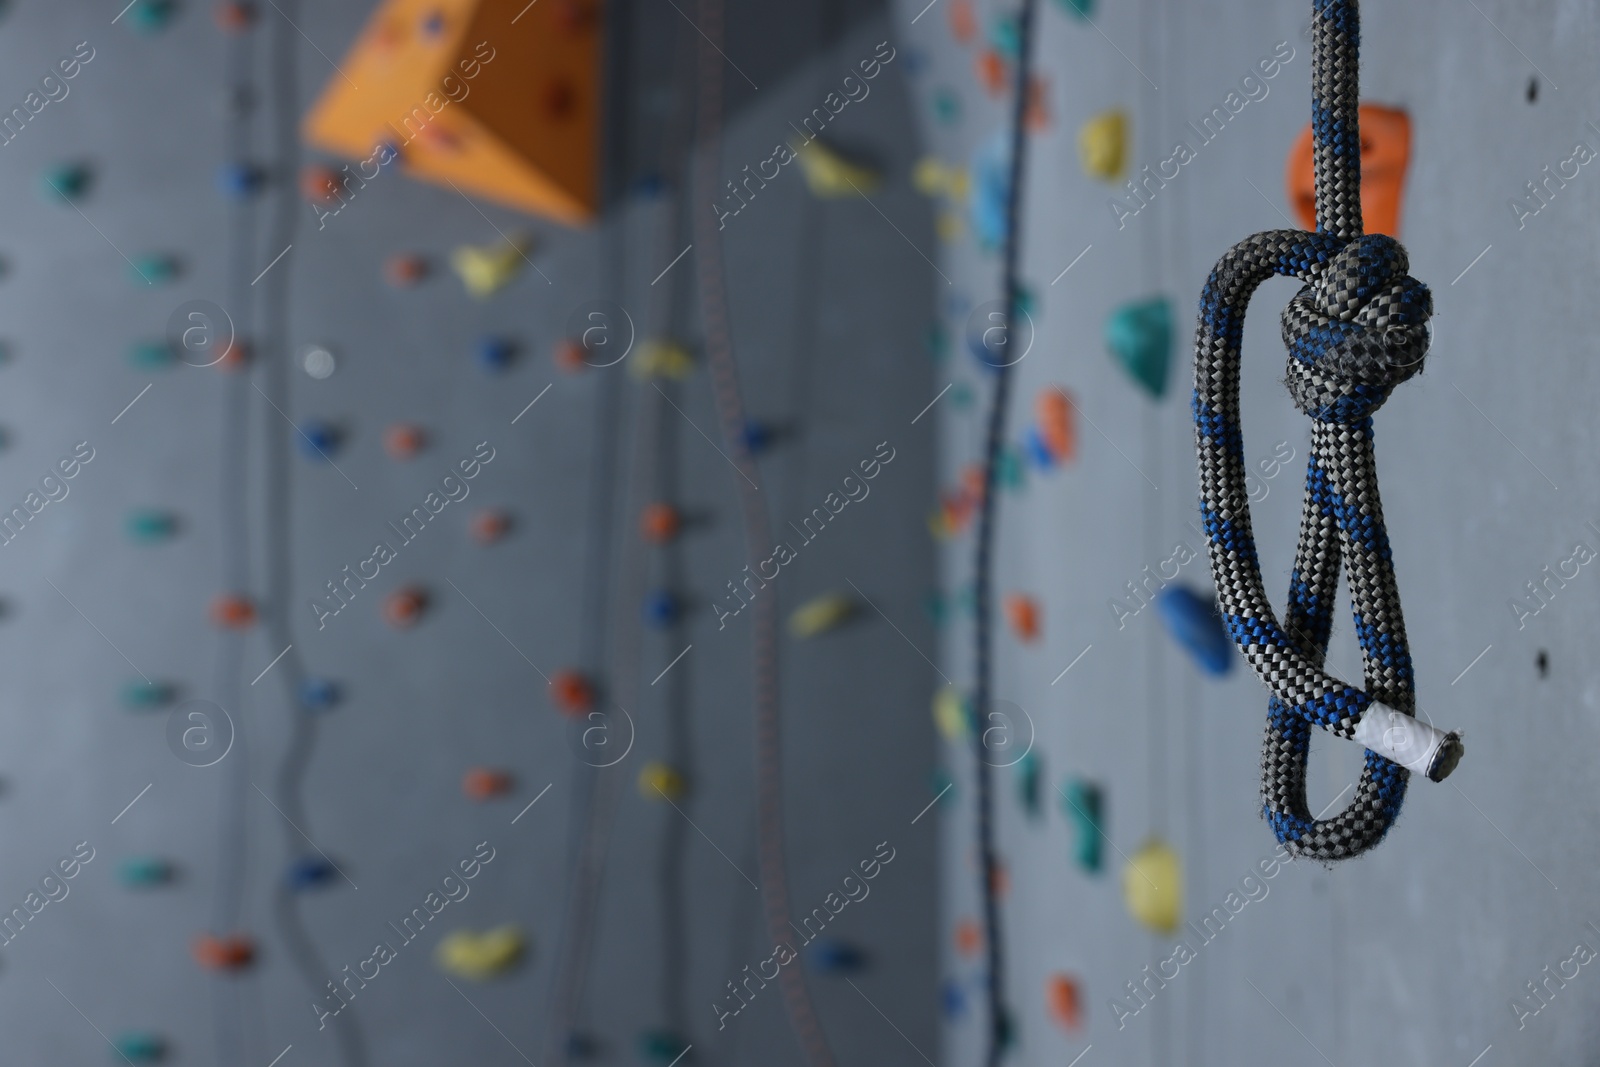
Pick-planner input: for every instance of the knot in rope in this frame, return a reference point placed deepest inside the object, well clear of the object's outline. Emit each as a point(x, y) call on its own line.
point(1359, 329)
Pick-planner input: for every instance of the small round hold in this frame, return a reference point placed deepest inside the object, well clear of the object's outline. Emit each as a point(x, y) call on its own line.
point(232, 953)
point(486, 783)
point(239, 181)
point(231, 611)
point(757, 436)
point(495, 353)
point(570, 355)
point(572, 693)
point(659, 523)
point(138, 1046)
point(319, 694)
point(319, 440)
point(405, 269)
point(404, 440)
point(310, 872)
point(67, 181)
point(148, 525)
point(146, 695)
point(318, 362)
point(320, 183)
point(141, 872)
point(234, 17)
point(661, 608)
point(489, 526)
point(404, 607)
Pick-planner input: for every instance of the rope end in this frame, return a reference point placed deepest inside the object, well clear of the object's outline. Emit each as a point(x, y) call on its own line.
point(1415, 745)
point(1445, 760)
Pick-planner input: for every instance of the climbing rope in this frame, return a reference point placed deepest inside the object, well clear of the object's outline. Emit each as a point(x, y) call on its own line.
point(1356, 330)
point(999, 1019)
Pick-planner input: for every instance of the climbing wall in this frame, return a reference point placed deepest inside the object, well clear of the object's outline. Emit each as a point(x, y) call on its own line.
point(249, 746)
point(1423, 950)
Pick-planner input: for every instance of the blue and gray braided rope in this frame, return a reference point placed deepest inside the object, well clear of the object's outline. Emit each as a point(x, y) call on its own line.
point(1356, 330)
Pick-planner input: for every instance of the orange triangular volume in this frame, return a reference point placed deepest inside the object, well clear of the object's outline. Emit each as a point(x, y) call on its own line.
point(501, 98)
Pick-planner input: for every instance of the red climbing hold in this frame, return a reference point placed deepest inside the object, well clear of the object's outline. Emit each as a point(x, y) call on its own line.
point(482, 783)
point(570, 356)
point(963, 24)
point(1022, 613)
point(232, 611)
point(1064, 1001)
point(320, 183)
point(233, 953)
point(234, 17)
point(403, 607)
point(572, 693)
point(659, 523)
point(404, 440)
point(992, 72)
point(968, 937)
point(1057, 428)
point(235, 358)
point(490, 526)
point(405, 269)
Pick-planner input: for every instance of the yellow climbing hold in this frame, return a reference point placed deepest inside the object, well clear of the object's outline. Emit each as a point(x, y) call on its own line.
point(820, 614)
point(658, 781)
point(933, 178)
point(831, 176)
point(662, 359)
point(1102, 145)
point(950, 713)
point(469, 954)
point(1152, 886)
point(948, 227)
point(484, 269)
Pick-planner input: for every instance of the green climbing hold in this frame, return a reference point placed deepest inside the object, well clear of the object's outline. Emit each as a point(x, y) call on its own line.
point(147, 525)
point(1084, 805)
point(67, 182)
point(151, 16)
point(946, 106)
point(1139, 336)
point(138, 1047)
point(662, 1046)
point(1025, 301)
point(144, 871)
point(961, 396)
point(942, 786)
point(146, 695)
point(151, 354)
point(1030, 774)
point(1079, 8)
point(1005, 34)
point(154, 268)
point(1010, 469)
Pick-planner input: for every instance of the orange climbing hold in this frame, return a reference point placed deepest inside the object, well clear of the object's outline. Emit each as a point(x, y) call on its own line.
point(320, 183)
point(1022, 614)
point(232, 953)
point(963, 23)
point(1064, 1001)
point(490, 526)
point(1037, 116)
point(235, 357)
point(570, 356)
point(969, 938)
point(1385, 154)
point(234, 17)
point(572, 693)
point(1057, 428)
point(404, 440)
point(482, 783)
point(405, 269)
point(403, 607)
point(659, 523)
point(232, 611)
point(992, 72)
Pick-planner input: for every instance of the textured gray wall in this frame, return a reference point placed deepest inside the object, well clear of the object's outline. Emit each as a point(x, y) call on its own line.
point(1413, 953)
point(828, 305)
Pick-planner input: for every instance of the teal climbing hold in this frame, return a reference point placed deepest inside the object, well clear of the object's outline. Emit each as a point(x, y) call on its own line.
point(140, 872)
point(67, 181)
point(1139, 336)
point(151, 16)
point(154, 268)
point(946, 106)
point(1026, 304)
point(140, 1047)
point(147, 695)
point(1084, 805)
point(147, 525)
point(1078, 8)
point(942, 786)
point(661, 1046)
point(961, 396)
point(1011, 468)
point(934, 603)
point(938, 341)
point(149, 355)
point(1005, 35)
point(1030, 774)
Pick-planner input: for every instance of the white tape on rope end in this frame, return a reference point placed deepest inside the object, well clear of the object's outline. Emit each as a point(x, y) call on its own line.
point(1408, 741)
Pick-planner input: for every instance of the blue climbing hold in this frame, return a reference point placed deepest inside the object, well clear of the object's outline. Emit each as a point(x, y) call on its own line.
point(319, 694)
point(834, 957)
point(1139, 336)
point(142, 872)
point(661, 608)
point(495, 353)
point(757, 436)
point(310, 872)
point(318, 440)
point(1194, 622)
point(239, 181)
point(140, 1047)
point(952, 999)
point(1037, 451)
point(650, 186)
point(67, 182)
point(991, 188)
point(147, 525)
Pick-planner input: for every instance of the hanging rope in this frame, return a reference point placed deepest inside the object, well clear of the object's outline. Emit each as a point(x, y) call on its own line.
point(1358, 329)
point(999, 1018)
